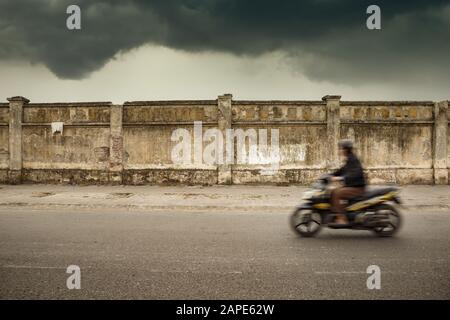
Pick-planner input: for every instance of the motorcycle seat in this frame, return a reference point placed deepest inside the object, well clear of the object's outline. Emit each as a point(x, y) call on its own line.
point(373, 193)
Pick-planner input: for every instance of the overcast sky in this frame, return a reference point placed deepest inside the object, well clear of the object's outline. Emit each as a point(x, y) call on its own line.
point(196, 49)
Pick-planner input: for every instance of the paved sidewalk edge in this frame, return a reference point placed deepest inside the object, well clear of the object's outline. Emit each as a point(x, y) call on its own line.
point(186, 208)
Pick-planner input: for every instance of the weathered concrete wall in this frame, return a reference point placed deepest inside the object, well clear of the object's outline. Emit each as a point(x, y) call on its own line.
point(147, 143)
point(83, 144)
point(4, 142)
point(448, 149)
point(448, 137)
point(79, 154)
point(301, 125)
point(398, 142)
point(84, 148)
point(393, 139)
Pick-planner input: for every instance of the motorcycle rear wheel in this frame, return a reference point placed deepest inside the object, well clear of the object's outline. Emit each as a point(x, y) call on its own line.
point(394, 224)
point(306, 222)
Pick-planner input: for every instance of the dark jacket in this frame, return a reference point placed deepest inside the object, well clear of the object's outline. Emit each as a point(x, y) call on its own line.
point(352, 172)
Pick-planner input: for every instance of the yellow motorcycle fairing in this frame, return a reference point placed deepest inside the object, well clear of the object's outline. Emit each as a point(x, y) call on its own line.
point(372, 201)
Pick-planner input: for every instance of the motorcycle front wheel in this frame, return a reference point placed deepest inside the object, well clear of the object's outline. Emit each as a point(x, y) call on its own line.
point(306, 222)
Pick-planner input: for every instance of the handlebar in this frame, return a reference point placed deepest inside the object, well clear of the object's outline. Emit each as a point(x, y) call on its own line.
point(326, 178)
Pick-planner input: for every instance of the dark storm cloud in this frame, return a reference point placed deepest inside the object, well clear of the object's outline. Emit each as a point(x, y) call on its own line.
point(325, 39)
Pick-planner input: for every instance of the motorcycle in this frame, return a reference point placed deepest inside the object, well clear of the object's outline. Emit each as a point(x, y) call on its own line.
point(375, 211)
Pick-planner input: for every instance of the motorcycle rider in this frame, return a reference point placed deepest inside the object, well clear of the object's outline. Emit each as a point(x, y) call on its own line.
point(352, 175)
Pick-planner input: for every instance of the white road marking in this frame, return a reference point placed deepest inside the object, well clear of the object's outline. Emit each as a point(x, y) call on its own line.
point(31, 267)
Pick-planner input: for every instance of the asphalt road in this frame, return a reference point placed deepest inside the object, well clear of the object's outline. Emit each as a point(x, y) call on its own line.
point(220, 255)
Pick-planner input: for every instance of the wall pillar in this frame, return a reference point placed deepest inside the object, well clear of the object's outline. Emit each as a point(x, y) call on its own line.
point(15, 138)
point(333, 130)
point(224, 122)
point(116, 145)
point(440, 170)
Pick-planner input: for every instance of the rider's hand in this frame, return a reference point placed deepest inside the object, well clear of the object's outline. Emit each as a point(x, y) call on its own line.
point(334, 179)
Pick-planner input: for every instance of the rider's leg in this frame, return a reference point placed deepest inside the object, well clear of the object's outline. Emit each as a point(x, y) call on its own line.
point(336, 205)
point(344, 193)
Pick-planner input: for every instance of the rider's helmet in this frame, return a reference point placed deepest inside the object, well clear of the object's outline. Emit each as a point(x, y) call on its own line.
point(346, 144)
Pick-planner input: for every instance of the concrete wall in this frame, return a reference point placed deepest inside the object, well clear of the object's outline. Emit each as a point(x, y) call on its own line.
point(147, 130)
point(394, 140)
point(4, 142)
point(398, 142)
